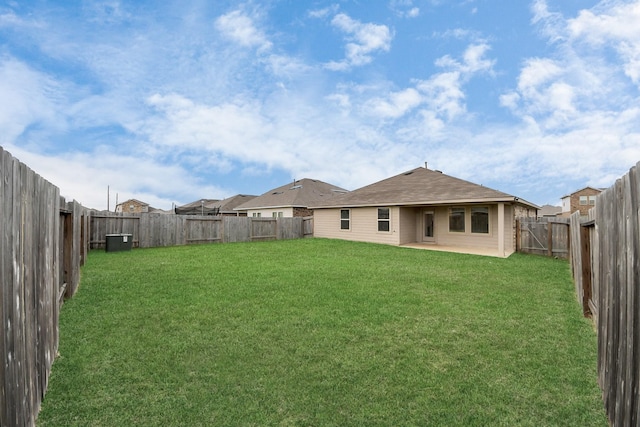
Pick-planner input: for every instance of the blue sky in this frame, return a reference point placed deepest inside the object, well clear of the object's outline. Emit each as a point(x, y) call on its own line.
point(169, 102)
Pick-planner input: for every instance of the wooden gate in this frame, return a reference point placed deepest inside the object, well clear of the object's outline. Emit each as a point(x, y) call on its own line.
point(544, 236)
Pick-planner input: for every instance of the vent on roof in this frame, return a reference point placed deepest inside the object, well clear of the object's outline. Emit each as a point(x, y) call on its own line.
point(408, 173)
point(276, 192)
point(295, 187)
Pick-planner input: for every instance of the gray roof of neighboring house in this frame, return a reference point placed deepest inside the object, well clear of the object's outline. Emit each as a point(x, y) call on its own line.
point(420, 186)
point(300, 193)
point(230, 203)
point(198, 203)
point(550, 210)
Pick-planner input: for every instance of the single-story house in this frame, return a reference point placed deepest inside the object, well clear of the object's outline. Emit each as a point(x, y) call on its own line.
point(425, 208)
point(290, 200)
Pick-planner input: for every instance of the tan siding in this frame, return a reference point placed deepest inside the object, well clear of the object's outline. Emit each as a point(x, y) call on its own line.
point(466, 239)
point(409, 223)
point(406, 227)
point(268, 213)
point(364, 225)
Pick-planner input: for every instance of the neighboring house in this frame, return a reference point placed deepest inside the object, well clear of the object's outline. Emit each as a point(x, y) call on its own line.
point(227, 206)
point(581, 200)
point(549, 211)
point(424, 207)
point(291, 200)
point(199, 207)
point(132, 206)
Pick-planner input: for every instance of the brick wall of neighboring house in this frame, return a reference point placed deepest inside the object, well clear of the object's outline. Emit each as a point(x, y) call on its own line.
point(132, 206)
point(583, 208)
point(302, 212)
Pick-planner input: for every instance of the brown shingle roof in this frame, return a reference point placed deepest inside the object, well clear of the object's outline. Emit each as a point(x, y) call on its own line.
point(419, 186)
point(301, 193)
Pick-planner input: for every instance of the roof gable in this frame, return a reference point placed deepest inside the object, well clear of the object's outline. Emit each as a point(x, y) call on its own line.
point(300, 193)
point(419, 186)
point(134, 201)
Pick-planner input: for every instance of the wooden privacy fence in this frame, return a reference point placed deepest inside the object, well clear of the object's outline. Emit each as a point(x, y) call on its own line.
point(605, 261)
point(153, 230)
point(543, 236)
point(42, 245)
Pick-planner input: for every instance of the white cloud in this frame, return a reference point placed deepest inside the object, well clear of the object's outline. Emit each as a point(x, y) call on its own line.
point(86, 176)
point(28, 98)
point(396, 104)
point(617, 27)
point(363, 41)
point(239, 27)
point(324, 12)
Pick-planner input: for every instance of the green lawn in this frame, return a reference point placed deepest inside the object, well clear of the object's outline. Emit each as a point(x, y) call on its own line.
point(321, 332)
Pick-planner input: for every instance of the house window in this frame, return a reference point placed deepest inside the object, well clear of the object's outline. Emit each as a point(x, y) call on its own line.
point(456, 220)
point(480, 220)
point(592, 200)
point(584, 200)
point(383, 219)
point(257, 214)
point(345, 219)
point(277, 214)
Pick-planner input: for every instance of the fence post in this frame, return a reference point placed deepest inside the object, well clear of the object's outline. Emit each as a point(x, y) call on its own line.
point(518, 236)
point(550, 238)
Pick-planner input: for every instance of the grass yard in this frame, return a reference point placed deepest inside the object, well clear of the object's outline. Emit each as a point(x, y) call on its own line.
point(321, 332)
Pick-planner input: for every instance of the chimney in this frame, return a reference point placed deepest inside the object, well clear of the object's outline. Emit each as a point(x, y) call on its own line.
point(425, 165)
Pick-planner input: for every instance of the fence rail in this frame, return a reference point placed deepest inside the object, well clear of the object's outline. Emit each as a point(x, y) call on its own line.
point(154, 230)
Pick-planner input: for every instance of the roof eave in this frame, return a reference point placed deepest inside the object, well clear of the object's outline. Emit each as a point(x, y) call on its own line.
point(432, 203)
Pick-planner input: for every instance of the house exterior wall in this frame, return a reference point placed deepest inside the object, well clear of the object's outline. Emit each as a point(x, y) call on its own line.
point(407, 225)
point(465, 239)
point(566, 206)
point(287, 212)
point(132, 206)
point(363, 225)
point(575, 201)
point(302, 212)
point(268, 213)
point(410, 225)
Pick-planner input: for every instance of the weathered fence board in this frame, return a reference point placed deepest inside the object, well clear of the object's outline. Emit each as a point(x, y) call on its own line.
point(544, 236)
point(605, 263)
point(154, 230)
point(33, 269)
